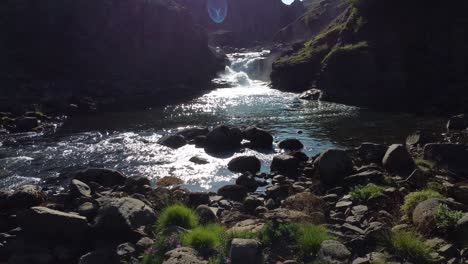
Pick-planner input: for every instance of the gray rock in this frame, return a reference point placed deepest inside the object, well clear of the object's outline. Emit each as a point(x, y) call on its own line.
point(245, 164)
point(249, 225)
point(293, 216)
point(245, 251)
point(305, 202)
point(183, 255)
point(398, 160)
point(334, 252)
point(462, 228)
point(290, 144)
point(104, 177)
point(136, 184)
point(251, 203)
point(424, 215)
point(286, 164)
point(87, 209)
point(143, 244)
point(199, 160)
point(233, 192)
point(223, 138)
point(79, 189)
point(362, 178)
point(100, 256)
point(25, 197)
point(459, 192)
point(371, 152)
point(198, 198)
point(418, 178)
point(258, 138)
point(206, 214)
point(173, 141)
point(332, 166)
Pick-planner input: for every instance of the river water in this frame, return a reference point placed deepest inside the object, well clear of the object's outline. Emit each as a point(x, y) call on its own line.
point(126, 141)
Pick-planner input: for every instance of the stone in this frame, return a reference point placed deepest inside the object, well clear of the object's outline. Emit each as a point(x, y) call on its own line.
point(453, 157)
point(459, 192)
point(458, 122)
point(25, 124)
point(143, 244)
point(305, 202)
point(198, 198)
point(333, 166)
point(248, 181)
point(25, 197)
point(293, 216)
point(167, 181)
point(419, 138)
point(42, 221)
point(365, 177)
point(173, 141)
point(183, 255)
point(371, 152)
point(223, 138)
point(104, 255)
point(286, 164)
point(245, 164)
point(104, 177)
point(251, 203)
point(79, 189)
point(87, 209)
point(199, 160)
point(233, 192)
point(258, 138)
point(418, 179)
point(249, 225)
point(119, 217)
point(245, 251)
point(290, 144)
point(312, 94)
point(398, 160)
point(333, 251)
point(424, 215)
point(136, 184)
point(462, 228)
point(193, 132)
point(277, 192)
point(206, 215)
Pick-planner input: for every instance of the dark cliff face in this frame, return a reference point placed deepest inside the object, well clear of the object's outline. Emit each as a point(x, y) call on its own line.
point(387, 54)
point(248, 21)
point(106, 40)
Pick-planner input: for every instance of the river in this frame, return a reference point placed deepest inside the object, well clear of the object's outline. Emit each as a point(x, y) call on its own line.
point(126, 141)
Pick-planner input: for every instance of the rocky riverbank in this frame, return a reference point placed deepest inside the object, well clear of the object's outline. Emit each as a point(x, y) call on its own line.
point(373, 204)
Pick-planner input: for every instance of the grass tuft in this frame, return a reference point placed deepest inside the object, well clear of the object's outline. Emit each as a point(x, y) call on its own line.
point(207, 240)
point(446, 219)
point(310, 237)
point(362, 193)
point(414, 198)
point(177, 215)
point(409, 245)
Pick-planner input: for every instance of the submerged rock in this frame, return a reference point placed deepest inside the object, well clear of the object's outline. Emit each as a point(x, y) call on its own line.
point(290, 144)
point(244, 164)
point(198, 160)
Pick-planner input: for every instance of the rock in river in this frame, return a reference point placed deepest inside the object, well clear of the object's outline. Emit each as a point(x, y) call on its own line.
point(258, 137)
point(173, 141)
point(290, 144)
point(223, 138)
point(244, 164)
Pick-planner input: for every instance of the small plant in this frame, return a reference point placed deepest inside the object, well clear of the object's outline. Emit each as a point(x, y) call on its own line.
point(425, 164)
point(409, 245)
point(274, 231)
point(155, 255)
point(207, 240)
point(310, 237)
point(435, 186)
point(446, 218)
point(414, 198)
point(177, 215)
point(362, 193)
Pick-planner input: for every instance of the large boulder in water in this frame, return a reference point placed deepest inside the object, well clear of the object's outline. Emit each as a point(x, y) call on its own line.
point(258, 137)
point(104, 177)
point(290, 144)
point(245, 164)
point(286, 164)
point(333, 166)
point(223, 138)
point(172, 141)
point(398, 160)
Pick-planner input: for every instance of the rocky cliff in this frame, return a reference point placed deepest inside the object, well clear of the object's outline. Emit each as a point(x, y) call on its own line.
point(386, 54)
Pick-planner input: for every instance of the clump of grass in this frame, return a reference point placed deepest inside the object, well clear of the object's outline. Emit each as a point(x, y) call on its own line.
point(414, 198)
point(177, 215)
point(274, 231)
point(446, 219)
point(310, 237)
point(207, 240)
point(163, 244)
point(435, 186)
point(425, 164)
point(362, 193)
point(409, 245)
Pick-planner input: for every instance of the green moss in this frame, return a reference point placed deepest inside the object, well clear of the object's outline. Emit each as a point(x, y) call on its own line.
point(346, 49)
point(426, 164)
point(207, 240)
point(410, 246)
point(177, 215)
point(362, 193)
point(446, 219)
point(414, 198)
point(310, 237)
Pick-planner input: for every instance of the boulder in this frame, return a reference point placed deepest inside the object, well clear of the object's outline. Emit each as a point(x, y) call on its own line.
point(332, 166)
point(251, 203)
point(398, 160)
point(371, 152)
point(365, 177)
point(293, 216)
point(286, 164)
point(248, 225)
point(193, 132)
point(461, 228)
point(206, 214)
point(79, 189)
point(45, 222)
point(245, 164)
point(258, 137)
point(417, 178)
point(173, 141)
point(290, 144)
point(183, 255)
point(453, 157)
point(424, 215)
point(332, 251)
point(312, 94)
point(119, 217)
point(245, 251)
point(24, 124)
point(459, 192)
point(198, 198)
point(233, 192)
point(25, 197)
point(223, 138)
point(169, 181)
point(419, 138)
point(305, 202)
point(199, 160)
point(458, 122)
point(104, 177)
point(136, 184)
point(248, 181)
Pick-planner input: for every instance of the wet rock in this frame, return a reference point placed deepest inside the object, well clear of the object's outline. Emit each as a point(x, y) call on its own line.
point(452, 157)
point(198, 198)
point(251, 203)
point(248, 181)
point(371, 152)
point(333, 251)
point(206, 214)
point(104, 177)
point(458, 122)
point(362, 178)
point(286, 165)
point(136, 184)
point(173, 141)
point(199, 160)
point(332, 166)
point(223, 138)
point(245, 251)
point(42, 221)
point(233, 192)
point(258, 138)
point(193, 132)
point(167, 181)
point(398, 160)
point(24, 124)
point(424, 215)
point(25, 197)
point(312, 94)
point(119, 217)
point(305, 202)
point(244, 164)
point(79, 189)
point(183, 255)
point(291, 144)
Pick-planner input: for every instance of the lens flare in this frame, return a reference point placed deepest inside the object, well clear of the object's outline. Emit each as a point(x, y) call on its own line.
point(217, 9)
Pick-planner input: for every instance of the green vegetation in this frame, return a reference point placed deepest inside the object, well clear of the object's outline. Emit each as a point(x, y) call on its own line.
point(310, 237)
point(156, 253)
point(435, 186)
point(409, 245)
point(378, 261)
point(207, 240)
point(424, 164)
point(274, 231)
point(446, 219)
point(362, 193)
point(346, 49)
point(177, 215)
point(414, 198)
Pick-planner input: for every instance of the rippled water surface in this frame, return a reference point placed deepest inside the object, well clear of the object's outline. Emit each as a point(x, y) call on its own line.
point(127, 140)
